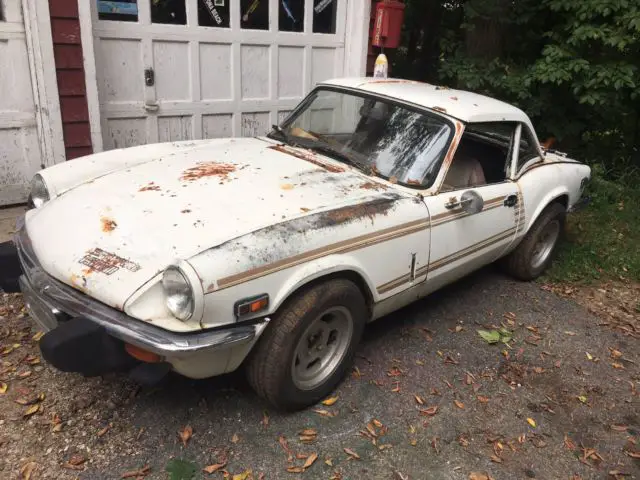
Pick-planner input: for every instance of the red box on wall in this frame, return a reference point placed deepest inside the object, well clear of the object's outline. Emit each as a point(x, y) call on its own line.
point(387, 26)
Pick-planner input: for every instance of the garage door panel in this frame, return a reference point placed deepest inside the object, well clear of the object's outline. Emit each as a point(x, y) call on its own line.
point(255, 124)
point(215, 71)
point(255, 72)
point(217, 126)
point(212, 82)
point(175, 129)
point(119, 70)
point(290, 72)
point(171, 62)
point(323, 64)
point(126, 132)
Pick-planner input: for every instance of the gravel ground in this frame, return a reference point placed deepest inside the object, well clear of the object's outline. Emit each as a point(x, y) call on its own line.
point(428, 399)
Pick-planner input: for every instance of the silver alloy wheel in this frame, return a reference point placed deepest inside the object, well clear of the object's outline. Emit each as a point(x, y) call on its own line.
point(544, 246)
point(322, 347)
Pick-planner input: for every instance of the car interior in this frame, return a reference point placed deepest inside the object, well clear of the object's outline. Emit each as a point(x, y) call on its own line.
point(480, 159)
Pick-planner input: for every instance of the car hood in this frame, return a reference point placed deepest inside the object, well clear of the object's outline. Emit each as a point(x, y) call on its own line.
point(110, 235)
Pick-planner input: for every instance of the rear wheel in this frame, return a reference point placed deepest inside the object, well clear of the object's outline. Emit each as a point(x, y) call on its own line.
point(537, 249)
point(309, 345)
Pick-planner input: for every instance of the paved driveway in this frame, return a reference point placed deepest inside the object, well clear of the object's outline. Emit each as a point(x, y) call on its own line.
point(554, 404)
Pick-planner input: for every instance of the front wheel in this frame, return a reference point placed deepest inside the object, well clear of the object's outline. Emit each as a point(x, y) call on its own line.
point(309, 345)
point(536, 251)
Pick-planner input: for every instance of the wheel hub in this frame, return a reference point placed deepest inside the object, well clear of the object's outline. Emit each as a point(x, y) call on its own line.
point(544, 246)
point(322, 347)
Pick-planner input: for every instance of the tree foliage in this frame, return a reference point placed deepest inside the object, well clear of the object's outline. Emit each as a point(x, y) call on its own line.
point(572, 65)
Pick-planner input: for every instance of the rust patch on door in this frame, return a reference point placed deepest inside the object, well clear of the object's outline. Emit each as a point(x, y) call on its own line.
point(108, 224)
point(309, 157)
point(208, 169)
point(150, 187)
point(98, 260)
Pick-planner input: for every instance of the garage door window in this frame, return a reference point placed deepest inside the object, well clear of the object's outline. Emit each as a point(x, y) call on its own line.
point(291, 16)
point(324, 16)
point(255, 14)
point(172, 12)
point(122, 11)
point(213, 13)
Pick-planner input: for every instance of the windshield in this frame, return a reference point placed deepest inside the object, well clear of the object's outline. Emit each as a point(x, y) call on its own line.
point(377, 136)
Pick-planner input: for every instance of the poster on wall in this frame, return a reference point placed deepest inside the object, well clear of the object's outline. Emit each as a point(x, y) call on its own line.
point(123, 10)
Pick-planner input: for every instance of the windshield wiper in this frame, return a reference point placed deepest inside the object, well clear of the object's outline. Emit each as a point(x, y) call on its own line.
point(343, 157)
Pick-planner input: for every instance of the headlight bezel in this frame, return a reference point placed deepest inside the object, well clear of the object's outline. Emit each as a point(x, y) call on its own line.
point(175, 284)
point(39, 193)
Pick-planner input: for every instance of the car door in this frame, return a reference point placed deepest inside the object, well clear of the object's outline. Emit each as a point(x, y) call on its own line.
point(474, 216)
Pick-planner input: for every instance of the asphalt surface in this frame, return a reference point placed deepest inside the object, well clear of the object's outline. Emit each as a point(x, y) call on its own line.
point(555, 374)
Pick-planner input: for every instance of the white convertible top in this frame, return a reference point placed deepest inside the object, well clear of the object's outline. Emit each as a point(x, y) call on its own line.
point(466, 106)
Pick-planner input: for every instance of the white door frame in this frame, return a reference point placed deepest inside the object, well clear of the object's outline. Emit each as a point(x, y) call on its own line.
point(37, 23)
point(354, 61)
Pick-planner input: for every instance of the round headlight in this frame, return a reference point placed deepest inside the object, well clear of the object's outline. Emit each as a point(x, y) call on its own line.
point(39, 191)
point(178, 293)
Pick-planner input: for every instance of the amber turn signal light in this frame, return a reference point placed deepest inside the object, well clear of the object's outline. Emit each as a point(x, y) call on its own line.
point(141, 354)
point(251, 305)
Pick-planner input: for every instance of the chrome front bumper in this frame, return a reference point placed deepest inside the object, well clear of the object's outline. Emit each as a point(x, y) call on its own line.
point(49, 301)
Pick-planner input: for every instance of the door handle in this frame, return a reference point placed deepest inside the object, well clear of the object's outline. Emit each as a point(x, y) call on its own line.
point(511, 201)
point(151, 106)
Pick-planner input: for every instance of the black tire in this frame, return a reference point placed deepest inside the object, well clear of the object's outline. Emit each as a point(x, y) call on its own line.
point(270, 365)
point(519, 263)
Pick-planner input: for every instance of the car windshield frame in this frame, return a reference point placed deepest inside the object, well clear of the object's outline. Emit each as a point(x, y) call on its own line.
point(280, 131)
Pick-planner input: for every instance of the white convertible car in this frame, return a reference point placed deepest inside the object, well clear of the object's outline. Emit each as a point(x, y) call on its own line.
point(274, 252)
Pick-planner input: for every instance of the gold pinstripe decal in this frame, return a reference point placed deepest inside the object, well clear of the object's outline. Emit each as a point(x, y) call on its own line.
point(339, 247)
point(444, 261)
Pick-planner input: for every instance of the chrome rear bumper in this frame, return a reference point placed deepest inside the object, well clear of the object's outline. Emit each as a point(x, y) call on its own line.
point(49, 300)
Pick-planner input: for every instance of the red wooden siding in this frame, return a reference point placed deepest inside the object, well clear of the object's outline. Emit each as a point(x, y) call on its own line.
point(67, 49)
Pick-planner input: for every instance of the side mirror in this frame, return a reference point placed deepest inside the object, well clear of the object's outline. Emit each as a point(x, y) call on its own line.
point(471, 202)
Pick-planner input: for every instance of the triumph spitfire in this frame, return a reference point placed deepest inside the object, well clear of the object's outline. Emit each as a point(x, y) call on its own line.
point(273, 253)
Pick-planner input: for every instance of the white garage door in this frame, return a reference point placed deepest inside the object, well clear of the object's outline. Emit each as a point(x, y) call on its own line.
point(189, 69)
point(19, 147)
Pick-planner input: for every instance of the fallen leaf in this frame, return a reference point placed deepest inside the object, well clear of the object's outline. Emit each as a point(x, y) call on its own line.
point(185, 434)
point(310, 459)
point(419, 400)
point(329, 462)
point(295, 469)
point(31, 410)
point(330, 401)
point(309, 431)
point(589, 356)
point(3, 387)
point(27, 469)
point(37, 336)
point(242, 476)
point(490, 337)
point(77, 459)
point(615, 353)
point(531, 422)
point(496, 459)
point(482, 399)
point(617, 365)
point(619, 428)
point(396, 389)
point(459, 404)
point(632, 454)
point(104, 430)
point(582, 399)
point(377, 423)
point(429, 411)
point(286, 186)
point(235, 438)
point(352, 454)
point(479, 476)
point(324, 413)
point(214, 468)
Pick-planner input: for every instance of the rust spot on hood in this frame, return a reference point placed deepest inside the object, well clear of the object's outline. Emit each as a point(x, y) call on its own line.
point(356, 212)
point(373, 186)
point(309, 157)
point(98, 260)
point(208, 169)
point(151, 186)
point(108, 224)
